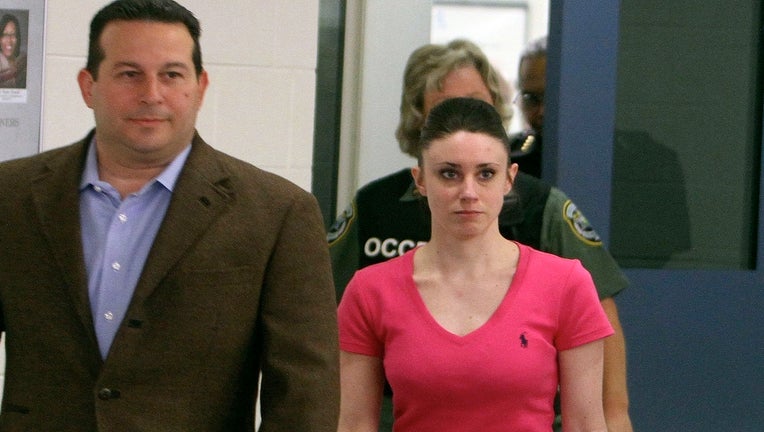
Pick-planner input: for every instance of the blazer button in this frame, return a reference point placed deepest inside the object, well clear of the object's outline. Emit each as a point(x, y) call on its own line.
point(107, 393)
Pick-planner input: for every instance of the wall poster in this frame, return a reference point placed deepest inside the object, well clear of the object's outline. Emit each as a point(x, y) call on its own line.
point(22, 52)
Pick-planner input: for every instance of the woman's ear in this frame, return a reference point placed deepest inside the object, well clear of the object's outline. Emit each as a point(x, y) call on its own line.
point(416, 173)
point(511, 173)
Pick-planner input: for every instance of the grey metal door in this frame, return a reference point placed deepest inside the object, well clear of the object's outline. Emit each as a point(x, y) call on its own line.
point(694, 323)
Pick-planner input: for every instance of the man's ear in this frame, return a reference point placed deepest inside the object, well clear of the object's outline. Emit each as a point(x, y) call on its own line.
point(204, 81)
point(86, 81)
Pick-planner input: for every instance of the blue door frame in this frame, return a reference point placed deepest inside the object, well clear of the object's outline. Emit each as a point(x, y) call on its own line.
point(694, 338)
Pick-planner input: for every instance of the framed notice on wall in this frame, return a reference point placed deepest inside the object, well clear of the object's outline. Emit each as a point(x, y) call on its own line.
point(22, 49)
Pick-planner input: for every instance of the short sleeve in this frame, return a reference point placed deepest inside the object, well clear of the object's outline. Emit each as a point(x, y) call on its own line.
point(357, 331)
point(581, 317)
point(566, 232)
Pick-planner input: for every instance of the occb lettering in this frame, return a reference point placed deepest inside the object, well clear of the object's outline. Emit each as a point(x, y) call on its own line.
point(388, 248)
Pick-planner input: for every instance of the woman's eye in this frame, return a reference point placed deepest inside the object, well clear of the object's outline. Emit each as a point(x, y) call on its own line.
point(448, 174)
point(486, 174)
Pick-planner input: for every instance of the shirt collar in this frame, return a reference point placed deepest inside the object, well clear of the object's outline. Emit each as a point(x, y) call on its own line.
point(167, 178)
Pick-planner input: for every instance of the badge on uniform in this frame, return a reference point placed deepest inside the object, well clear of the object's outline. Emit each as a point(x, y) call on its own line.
point(580, 225)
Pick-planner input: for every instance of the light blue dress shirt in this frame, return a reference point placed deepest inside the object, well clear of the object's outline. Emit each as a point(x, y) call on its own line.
point(116, 237)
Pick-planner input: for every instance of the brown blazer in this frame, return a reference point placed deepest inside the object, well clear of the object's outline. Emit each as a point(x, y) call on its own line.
point(238, 281)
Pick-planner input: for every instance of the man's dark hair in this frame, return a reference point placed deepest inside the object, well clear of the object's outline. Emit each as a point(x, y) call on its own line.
point(166, 11)
point(534, 50)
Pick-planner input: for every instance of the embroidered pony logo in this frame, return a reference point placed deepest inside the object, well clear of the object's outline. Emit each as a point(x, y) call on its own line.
point(523, 340)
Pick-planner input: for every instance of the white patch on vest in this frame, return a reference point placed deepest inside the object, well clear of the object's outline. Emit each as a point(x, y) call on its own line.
point(580, 225)
point(341, 225)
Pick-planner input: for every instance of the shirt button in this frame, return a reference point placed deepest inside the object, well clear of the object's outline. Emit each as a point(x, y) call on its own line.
point(107, 393)
point(97, 188)
point(122, 217)
point(115, 266)
point(109, 315)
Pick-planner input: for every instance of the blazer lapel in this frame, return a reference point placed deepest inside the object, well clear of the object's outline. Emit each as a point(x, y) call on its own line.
point(56, 194)
point(201, 193)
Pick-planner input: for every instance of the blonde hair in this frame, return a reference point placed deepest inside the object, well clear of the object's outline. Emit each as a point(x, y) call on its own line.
point(425, 70)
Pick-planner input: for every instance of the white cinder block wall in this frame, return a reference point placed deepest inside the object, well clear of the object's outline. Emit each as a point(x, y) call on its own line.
point(261, 58)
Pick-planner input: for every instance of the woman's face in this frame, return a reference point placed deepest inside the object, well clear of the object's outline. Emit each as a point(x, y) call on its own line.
point(464, 177)
point(9, 40)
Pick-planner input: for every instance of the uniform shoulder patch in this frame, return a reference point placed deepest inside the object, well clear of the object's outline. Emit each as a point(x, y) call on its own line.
point(342, 224)
point(579, 224)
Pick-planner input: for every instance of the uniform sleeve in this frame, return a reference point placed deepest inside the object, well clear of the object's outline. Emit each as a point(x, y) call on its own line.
point(343, 248)
point(298, 315)
point(356, 321)
point(581, 317)
point(567, 233)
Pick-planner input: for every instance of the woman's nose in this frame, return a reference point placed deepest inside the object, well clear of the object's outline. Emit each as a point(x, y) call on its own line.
point(468, 190)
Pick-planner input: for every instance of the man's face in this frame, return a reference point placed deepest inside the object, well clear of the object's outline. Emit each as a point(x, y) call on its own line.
point(147, 94)
point(532, 83)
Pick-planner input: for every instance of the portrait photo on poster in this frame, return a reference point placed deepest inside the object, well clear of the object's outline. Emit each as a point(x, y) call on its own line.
point(22, 50)
point(14, 25)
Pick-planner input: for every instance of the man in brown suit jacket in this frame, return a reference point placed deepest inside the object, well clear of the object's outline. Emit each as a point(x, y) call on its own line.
point(222, 276)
